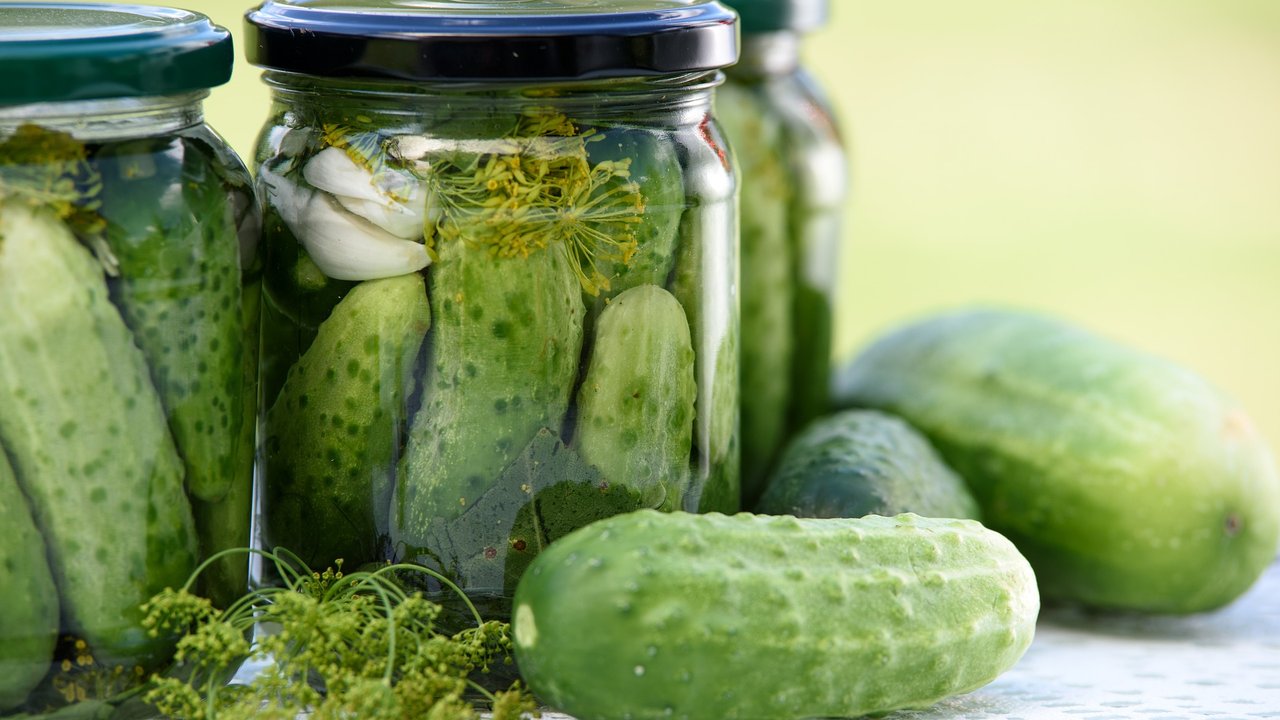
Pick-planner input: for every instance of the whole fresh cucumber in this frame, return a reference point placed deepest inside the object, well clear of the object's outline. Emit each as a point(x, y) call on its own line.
point(768, 292)
point(636, 404)
point(1127, 481)
point(88, 439)
point(179, 290)
point(29, 602)
point(653, 170)
point(333, 435)
point(862, 462)
point(714, 617)
point(507, 333)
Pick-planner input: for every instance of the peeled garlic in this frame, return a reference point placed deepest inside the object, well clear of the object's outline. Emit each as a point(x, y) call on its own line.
point(393, 200)
point(344, 246)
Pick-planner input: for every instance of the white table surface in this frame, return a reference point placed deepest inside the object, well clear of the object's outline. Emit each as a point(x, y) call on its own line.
point(1224, 665)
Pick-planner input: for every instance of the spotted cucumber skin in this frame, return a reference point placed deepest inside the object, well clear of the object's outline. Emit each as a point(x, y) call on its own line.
point(29, 601)
point(506, 337)
point(333, 434)
point(1128, 482)
point(710, 617)
point(88, 439)
point(179, 290)
point(636, 404)
point(862, 462)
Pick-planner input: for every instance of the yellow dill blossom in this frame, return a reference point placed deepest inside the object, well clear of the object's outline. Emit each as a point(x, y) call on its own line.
point(348, 645)
point(535, 188)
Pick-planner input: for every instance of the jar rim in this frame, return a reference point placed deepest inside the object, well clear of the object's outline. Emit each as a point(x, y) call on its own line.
point(478, 41)
point(67, 51)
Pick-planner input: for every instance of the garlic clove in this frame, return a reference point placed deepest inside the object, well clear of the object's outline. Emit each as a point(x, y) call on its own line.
point(404, 221)
point(347, 247)
point(288, 198)
point(333, 171)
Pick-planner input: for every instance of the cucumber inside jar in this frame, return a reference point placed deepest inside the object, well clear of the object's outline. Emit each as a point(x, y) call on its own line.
point(532, 239)
point(123, 388)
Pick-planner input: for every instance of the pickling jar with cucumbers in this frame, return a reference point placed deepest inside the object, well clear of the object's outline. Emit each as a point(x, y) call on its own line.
point(129, 287)
point(500, 288)
point(789, 151)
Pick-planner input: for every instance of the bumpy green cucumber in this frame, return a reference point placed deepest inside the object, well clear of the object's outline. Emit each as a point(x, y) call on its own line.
point(29, 602)
point(1127, 481)
point(636, 404)
point(711, 617)
point(862, 462)
point(704, 280)
point(88, 439)
point(767, 287)
point(507, 334)
point(171, 226)
point(333, 435)
point(654, 170)
point(224, 523)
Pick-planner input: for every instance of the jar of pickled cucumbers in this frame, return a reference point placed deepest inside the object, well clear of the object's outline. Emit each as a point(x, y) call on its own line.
point(500, 301)
point(792, 164)
point(128, 343)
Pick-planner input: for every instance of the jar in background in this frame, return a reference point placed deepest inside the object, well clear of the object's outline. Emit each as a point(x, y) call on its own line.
point(128, 331)
point(794, 183)
point(500, 245)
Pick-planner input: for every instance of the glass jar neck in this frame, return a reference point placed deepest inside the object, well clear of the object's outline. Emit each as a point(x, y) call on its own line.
point(768, 54)
point(110, 119)
point(661, 102)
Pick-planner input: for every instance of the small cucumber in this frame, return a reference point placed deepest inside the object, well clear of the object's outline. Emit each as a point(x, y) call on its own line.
point(862, 462)
point(654, 170)
point(636, 404)
point(179, 290)
point(507, 337)
point(1127, 481)
point(88, 439)
point(333, 435)
point(709, 617)
point(29, 601)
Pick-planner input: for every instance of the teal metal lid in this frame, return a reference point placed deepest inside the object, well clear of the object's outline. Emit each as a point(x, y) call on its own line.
point(51, 52)
point(762, 16)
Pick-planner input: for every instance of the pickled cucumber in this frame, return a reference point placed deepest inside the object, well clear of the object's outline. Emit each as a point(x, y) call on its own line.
point(171, 228)
point(29, 602)
point(333, 435)
point(88, 438)
point(507, 335)
point(636, 404)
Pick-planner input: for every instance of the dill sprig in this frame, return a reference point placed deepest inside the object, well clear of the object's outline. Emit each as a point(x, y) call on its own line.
point(48, 169)
point(345, 645)
point(537, 187)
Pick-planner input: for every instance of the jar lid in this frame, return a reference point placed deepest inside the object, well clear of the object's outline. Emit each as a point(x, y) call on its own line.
point(54, 52)
point(761, 16)
point(491, 40)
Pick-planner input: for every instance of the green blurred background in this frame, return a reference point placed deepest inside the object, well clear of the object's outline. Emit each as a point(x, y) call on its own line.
point(1115, 162)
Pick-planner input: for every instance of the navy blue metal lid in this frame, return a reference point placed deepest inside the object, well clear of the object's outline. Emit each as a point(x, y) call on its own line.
point(81, 51)
point(491, 40)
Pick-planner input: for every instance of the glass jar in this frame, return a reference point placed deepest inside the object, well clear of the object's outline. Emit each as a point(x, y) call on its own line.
point(790, 157)
point(500, 245)
point(128, 330)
